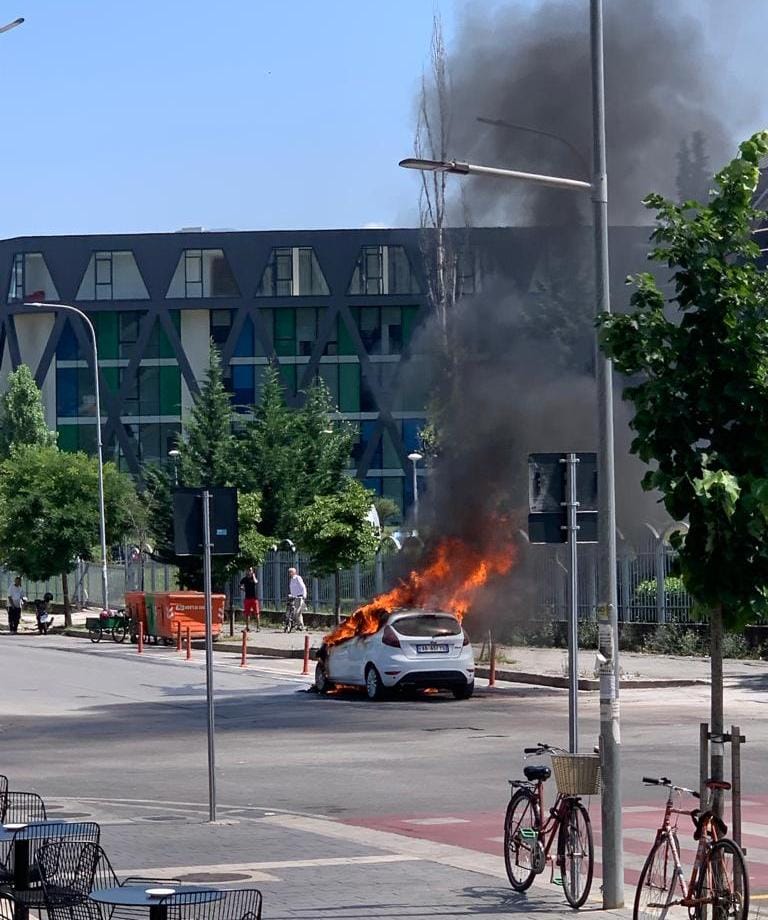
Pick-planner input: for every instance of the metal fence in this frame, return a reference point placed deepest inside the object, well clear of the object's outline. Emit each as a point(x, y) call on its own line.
point(358, 584)
point(647, 591)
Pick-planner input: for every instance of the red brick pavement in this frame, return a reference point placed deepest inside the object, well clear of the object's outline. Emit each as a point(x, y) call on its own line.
point(484, 831)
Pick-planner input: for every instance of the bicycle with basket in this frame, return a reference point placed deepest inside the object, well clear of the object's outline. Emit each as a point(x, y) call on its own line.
point(115, 623)
point(530, 832)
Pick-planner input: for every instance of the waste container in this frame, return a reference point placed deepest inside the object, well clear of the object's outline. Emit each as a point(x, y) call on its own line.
point(160, 614)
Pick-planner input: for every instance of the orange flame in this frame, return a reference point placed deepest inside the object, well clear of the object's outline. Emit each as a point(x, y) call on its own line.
point(449, 581)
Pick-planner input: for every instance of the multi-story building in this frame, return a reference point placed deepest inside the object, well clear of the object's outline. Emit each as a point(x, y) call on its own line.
point(341, 304)
point(344, 304)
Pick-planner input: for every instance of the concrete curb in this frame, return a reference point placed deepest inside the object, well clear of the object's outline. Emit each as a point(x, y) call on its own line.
point(508, 676)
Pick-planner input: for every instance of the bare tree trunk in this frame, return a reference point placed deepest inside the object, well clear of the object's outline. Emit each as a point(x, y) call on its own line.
point(716, 718)
point(337, 597)
point(67, 606)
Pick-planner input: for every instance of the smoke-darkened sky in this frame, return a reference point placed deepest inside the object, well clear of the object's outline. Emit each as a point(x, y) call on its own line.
point(673, 67)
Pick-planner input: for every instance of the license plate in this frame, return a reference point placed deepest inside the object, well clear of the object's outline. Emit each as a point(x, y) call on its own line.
point(432, 648)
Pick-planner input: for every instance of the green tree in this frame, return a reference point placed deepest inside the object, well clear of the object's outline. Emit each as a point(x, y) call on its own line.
point(335, 531)
point(266, 451)
point(208, 450)
point(701, 406)
point(322, 446)
point(22, 419)
point(49, 511)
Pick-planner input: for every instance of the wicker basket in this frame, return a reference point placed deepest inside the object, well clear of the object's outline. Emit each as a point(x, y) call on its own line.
point(577, 774)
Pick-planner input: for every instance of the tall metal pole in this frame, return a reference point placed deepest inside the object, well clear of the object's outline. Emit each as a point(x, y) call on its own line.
point(67, 308)
point(209, 653)
point(607, 610)
point(415, 495)
point(573, 606)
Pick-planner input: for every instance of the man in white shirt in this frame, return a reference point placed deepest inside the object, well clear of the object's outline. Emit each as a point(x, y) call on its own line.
point(15, 602)
point(298, 591)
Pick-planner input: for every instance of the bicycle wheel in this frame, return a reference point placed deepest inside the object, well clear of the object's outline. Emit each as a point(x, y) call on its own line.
point(723, 885)
point(94, 633)
point(656, 887)
point(521, 839)
point(576, 853)
point(119, 631)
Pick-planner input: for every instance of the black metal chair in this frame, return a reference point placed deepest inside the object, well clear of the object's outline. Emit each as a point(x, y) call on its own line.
point(69, 871)
point(3, 797)
point(31, 839)
point(18, 807)
point(23, 807)
point(210, 904)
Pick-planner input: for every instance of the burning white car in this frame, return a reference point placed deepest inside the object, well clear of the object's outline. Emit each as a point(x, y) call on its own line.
point(410, 649)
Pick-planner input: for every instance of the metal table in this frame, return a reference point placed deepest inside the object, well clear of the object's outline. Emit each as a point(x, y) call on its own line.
point(136, 896)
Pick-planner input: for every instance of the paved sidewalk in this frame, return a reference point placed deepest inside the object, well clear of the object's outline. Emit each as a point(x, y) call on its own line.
point(514, 663)
point(308, 866)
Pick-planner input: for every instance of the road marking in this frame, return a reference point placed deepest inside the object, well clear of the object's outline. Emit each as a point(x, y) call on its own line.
point(263, 871)
point(638, 809)
point(443, 853)
point(427, 822)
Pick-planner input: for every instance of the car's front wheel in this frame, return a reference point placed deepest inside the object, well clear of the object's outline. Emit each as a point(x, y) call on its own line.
point(322, 684)
point(373, 685)
point(464, 693)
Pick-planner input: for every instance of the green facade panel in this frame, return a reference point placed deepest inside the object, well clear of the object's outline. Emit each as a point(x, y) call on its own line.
point(349, 387)
point(170, 391)
point(107, 337)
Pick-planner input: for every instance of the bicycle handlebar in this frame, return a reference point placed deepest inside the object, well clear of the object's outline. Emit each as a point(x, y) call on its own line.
point(542, 748)
point(664, 781)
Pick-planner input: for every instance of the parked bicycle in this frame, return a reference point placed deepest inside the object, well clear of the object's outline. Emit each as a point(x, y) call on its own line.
point(718, 888)
point(529, 836)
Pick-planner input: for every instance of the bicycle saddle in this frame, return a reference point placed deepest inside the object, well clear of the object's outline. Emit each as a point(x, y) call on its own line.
point(537, 772)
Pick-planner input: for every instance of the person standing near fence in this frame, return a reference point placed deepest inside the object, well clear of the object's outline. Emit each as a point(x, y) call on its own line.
point(297, 590)
point(248, 583)
point(16, 601)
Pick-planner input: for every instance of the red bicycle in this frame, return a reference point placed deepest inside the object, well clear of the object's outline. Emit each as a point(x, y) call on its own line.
point(529, 837)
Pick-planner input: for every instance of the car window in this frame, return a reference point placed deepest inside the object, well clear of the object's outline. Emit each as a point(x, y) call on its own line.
point(427, 625)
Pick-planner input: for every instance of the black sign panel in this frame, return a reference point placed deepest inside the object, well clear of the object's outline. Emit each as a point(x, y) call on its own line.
point(188, 521)
point(547, 494)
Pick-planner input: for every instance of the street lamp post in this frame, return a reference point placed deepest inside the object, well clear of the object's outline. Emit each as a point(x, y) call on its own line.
point(11, 25)
point(67, 308)
point(607, 612)
point(174, 455)
point(414, 457)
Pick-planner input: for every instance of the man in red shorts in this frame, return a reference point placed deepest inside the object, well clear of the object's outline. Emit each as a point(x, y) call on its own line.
point(248, 583)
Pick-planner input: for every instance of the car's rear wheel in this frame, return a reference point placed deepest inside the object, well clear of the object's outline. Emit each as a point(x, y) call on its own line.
point(322, 684)
point(464, 693)
point(373, 685)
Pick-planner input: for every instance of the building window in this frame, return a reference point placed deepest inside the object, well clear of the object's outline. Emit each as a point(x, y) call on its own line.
point(203, 273)
point(383, 270)
point(382, 329)
point(221, 323)
point(112, 276)
point(30, 279)
point(292, 272)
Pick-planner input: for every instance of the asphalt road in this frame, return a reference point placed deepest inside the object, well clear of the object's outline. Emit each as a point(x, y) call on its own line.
point(100, 730)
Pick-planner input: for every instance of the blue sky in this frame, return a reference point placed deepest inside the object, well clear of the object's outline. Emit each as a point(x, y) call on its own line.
point(151, 115)
point(250, 114)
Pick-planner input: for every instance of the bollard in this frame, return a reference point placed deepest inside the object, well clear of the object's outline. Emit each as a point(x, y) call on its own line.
point(245, 649)
point(492, 666)
point(305, 669)
point(189, 644)
point(140, 642)
point(178, 636)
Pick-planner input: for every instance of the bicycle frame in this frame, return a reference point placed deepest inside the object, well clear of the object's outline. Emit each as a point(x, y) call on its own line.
point(708, 835)
point(549, 826)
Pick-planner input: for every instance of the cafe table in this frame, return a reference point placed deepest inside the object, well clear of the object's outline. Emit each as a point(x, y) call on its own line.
point(157, 903)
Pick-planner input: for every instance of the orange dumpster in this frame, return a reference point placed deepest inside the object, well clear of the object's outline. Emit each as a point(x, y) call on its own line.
point(160, 613)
